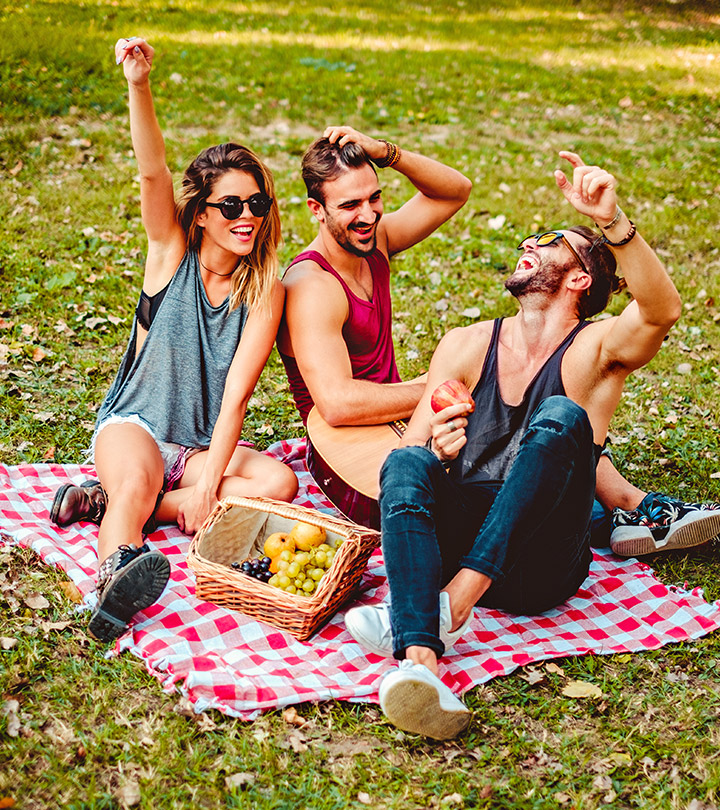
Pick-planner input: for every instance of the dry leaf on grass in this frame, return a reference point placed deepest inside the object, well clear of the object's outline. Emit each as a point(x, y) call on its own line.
point(36, 601)
point(239, 780)
point(71, 591)
point(128, 793)
point(291, 716)
point(7, 643)
point(532, 675)
point(10, 709)
point(554, 669)
point(582, 689)
point(364, 798)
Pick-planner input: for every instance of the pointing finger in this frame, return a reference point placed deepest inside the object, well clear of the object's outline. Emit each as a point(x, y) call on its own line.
point(572, 158)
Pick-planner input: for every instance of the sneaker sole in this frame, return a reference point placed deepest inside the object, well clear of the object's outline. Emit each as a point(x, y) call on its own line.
point(136, 586)
point(57, 501)
point(636, 541)
point(414, 706)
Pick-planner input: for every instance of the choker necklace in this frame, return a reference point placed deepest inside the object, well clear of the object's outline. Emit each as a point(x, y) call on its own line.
point(215, 272)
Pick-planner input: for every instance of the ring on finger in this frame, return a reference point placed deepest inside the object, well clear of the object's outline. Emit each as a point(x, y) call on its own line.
point(453, 427)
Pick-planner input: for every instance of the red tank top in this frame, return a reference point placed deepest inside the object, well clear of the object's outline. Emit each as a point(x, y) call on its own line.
point(367, 331)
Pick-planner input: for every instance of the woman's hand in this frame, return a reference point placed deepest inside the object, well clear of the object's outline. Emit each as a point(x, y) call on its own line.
point(194, 509)
point(448, 431)
point(136, 57)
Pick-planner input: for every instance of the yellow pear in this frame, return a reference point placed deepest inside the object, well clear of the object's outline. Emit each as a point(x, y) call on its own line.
point(306, 536)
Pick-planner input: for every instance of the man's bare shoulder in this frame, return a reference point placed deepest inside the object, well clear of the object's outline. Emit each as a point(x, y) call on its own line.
point(463, 349)
point(307, 273)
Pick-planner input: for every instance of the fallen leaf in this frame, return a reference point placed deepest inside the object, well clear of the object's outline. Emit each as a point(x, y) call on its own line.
point(7, 643)
point(582, 689)
point(206, 723)
point(6, 802)
point(452, 798)
point(554, 669)
point(532, 675)
point(562, 798)
point(184, 708)
point(46, 627)
point(128, 793)
point(39, 355)
point(291, 716)
point(364, 798)
point(602, 782)
point(239, 780)
point(625, 102)
point(495, 223)
point(10, 709)
point(36, 601)
point(17, 168)
point(71, 591)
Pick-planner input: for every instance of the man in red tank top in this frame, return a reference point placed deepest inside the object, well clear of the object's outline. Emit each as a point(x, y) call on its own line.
point(336, 339)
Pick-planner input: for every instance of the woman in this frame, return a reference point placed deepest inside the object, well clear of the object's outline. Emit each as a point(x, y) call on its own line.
point(165, 442)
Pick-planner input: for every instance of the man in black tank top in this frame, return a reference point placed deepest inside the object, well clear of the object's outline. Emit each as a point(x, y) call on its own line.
point(493, 506)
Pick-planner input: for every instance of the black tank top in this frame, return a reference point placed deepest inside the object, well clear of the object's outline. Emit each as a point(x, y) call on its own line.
point(494, 429)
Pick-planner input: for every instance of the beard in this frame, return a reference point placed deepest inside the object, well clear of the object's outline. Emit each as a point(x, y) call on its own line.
point(546, 279)
point(342, 236)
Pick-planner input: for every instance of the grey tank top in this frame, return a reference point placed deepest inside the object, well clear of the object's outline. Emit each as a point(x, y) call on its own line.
point(176, 382)
point(494, 428)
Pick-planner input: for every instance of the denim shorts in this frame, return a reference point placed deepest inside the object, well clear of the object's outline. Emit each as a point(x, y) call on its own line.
point(174, 456)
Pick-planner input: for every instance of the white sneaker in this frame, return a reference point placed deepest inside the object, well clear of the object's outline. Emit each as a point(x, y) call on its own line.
point(415, 700)
point(369, 625)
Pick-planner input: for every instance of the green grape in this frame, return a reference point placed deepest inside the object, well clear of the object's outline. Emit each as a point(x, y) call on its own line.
point(290, 589)
point(321, 558)
point(286, 555)
point(282, 565)
point(316, 574)
point(293, 569)
point(330, 557)
point(300, 582)
point(302, 558)
point(274, 581)
point(308, 586)
point(283, 581)
point(324, 547)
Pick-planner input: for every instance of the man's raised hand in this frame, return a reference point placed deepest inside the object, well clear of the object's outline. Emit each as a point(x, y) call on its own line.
point(592, 190)
point(376, 150)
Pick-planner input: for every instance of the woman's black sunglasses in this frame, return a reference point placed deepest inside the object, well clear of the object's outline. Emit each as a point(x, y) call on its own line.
point(232, 207)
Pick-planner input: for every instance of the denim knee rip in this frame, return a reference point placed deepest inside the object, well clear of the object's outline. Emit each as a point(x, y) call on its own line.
point(551, 425)
point(397, 509)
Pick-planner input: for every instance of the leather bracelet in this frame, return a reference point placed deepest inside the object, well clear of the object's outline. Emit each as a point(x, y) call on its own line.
point(613, 221)
point(628, 238)
point(392, 155)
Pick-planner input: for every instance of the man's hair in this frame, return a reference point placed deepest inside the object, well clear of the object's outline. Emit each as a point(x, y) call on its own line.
point(324, 161)
point(601, 264)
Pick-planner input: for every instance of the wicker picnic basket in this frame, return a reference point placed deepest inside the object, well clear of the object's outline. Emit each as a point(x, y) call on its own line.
point(237, 529)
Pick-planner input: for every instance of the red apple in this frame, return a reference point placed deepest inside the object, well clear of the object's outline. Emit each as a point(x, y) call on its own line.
point(451, 392)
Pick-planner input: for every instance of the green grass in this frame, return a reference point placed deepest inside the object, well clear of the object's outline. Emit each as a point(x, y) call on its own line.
point(494, 89)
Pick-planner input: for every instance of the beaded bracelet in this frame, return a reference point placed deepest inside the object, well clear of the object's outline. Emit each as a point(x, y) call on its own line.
point(628, 238)
point(392, 155)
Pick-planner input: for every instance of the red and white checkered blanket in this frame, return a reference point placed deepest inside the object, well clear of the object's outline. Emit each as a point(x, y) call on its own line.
point(221, 659)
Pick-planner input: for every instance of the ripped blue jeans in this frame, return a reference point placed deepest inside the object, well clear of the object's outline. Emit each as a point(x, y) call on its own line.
point(530, 534)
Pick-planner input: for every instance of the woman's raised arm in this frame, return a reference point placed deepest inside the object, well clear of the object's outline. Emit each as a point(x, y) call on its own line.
point(156, 189)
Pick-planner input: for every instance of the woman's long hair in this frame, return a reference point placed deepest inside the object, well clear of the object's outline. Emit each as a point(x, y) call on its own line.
point(254, 278)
